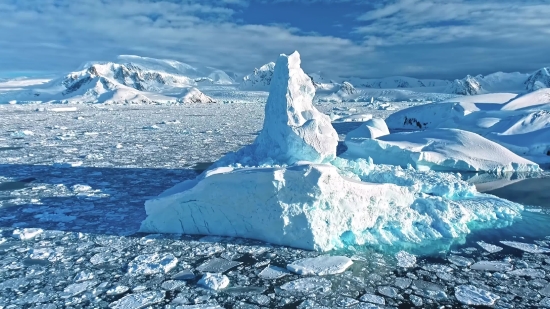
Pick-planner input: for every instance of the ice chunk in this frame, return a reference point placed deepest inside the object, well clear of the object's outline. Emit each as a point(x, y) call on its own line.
point(308, 285)
point(531, 248)
point(417, 301)
point(40, 253)
point(440, 150)
point(77, 288)
point(460, 260)
point(372, 128)
point(528, 272)
point(492, 266)
point(405, 259)
point(321, 265)
point(155, 263)
point(489, 247)
point(217, 265)
point(214, 281)
point(117, 290)
point(371, 298)
point(294, 130)
point(27, 233)
point(402, 283)
point(139, 300)
point(388, 291)
point(185, 274)
point(84, 276)
point(471, 295)
point(273, 272)
point(171, 285)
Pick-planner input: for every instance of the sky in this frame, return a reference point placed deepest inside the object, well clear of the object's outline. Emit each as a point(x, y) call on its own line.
point(371, 39)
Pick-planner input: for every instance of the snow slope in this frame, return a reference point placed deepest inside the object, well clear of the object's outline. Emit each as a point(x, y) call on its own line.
point(520, 124)
point(284, 198)
point(260, 79)
point(439, 150)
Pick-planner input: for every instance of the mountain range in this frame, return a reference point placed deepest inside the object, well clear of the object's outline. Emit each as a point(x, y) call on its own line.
point(135, 79)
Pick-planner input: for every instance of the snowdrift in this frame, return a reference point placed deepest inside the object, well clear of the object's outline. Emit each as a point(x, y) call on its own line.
point(439, 150)
point(288, 188)
point(520, 124)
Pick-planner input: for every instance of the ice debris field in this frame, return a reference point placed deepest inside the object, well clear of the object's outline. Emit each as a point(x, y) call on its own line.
point(307, 203)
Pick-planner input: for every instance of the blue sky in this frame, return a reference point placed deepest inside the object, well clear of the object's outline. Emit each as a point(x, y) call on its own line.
point(420, 38)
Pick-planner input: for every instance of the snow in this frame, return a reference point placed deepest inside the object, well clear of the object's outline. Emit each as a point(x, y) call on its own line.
point(194, 95)
point(288, 188)
point(467, 86)
point(440, 150)
point(517, 125)
point(321, 265)
point(372, 128)
point(474, 296)
point(214, 281)
point(539, 79)
point(260, 79)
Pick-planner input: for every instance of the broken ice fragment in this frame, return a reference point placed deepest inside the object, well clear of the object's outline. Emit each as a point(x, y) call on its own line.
point(531, 248)
point(471, 295)
point(26, 234)
point(308, 285)
point(155, 263)
point(214, 281)
point(402, 283)
point(185, 274)
point(216, 265)
point(460, 260)
point(40, 253)
point(528, 272)
point(171, 285)
point(117, 290)
point(273, 272)
point(405, 259)
point(488, 247)
point(371, 298)
point(140, 300)
point(321, 265)
point(388, 291)
point(492, 266)
point(83, 276)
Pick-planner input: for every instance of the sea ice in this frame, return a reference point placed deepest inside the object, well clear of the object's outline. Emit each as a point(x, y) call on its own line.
point(471, 295)
point(155, 263)
point(138, 300)
point(216, 265)
point(371, 298)
point(489, 247)
point(273, 272)
point(27, 233)
point(320, 266)
point(492, 266)
point(440, 150)
point(308, 285)
point(528, 272)
point(214, 281)
point(405, 259)
point(531, 248)
point(460, 260)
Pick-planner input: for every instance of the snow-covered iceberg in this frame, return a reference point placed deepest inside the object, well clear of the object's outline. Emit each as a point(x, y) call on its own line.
point(521, 124)
point(439, 150)
point(289, 188)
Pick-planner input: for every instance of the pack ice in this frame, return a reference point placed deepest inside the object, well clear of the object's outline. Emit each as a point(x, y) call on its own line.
point(289, 188)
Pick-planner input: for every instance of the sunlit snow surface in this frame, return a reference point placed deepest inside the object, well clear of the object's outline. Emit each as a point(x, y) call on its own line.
point(85, 172)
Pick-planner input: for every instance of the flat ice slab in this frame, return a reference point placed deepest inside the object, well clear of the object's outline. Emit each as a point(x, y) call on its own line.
point(471, 295)
point(440, 150)
point(321, 265)
point(149, 264)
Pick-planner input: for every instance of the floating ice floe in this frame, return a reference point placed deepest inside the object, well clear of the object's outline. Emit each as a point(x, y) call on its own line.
point(288, 188)
point(489, 247)
point(321, 265)
point(27, 233)
point(273, 272)
point(438, 149)
point(474, 296)
point(149, 264)
point(214, 281)
point(531, 248)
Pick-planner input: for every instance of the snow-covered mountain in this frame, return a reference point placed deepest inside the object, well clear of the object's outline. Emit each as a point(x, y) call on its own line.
point(467, 86)
point(194, 95)
point(260, 79)
point(397, 82)
point(539, 79)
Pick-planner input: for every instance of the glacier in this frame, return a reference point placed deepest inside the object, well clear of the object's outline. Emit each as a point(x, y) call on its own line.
point(289, 188)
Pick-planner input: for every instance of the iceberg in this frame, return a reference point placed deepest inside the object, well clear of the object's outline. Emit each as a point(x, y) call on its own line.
point(373, 128)
point(439, 150)
point(289, 188)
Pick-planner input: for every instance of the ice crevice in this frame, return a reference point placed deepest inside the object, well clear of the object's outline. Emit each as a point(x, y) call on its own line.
point(289, 188)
